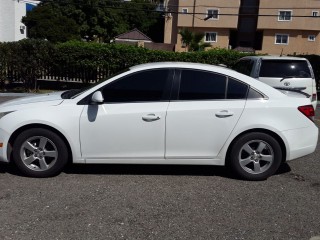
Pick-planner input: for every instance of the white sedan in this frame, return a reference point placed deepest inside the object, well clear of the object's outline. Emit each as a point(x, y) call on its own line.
point(160, 113)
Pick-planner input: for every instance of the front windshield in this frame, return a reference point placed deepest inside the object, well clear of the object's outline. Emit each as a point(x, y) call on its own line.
point(73, 93)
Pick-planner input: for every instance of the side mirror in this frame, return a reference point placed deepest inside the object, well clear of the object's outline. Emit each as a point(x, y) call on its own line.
point(97, 98)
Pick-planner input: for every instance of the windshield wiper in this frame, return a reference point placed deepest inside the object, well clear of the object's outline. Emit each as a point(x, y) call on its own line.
point(69, 93)
point(286, 77)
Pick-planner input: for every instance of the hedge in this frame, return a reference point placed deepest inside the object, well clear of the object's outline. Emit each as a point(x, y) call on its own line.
point(28, 60)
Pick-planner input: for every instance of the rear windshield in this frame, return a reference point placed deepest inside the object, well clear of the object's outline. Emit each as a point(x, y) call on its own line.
point(284, 68)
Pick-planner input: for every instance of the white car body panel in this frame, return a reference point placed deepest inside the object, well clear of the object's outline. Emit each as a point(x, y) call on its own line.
point(118, 131)
point(126, 138)
point(55, 96)
point(282, 120)
point(193, 129)
point(46, 114)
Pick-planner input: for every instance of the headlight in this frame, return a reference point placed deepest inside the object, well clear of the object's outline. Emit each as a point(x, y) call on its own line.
point(2, 114)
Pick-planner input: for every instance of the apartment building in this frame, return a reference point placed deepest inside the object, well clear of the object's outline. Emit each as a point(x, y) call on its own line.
point(11, 13)
point(267, 26)
point(296, 28)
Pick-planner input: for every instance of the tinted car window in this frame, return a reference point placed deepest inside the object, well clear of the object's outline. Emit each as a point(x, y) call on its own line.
point(197, 85)
point(244, 66)
point(253, 94)
point(142, 86)
point(236, 89)
point(284, 68)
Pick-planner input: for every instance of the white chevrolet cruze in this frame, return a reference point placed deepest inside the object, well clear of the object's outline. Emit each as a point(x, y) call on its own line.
point(160, 113)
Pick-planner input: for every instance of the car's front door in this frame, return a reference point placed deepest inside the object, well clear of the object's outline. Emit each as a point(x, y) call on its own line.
point(206, 109)
point(131, 121)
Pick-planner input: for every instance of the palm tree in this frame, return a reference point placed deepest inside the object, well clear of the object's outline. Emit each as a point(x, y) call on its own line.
point(186, 37)
point(193, 41)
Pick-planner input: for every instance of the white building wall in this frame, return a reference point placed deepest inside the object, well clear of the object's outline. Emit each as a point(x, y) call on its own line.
point(20, 11)
point(11, 13)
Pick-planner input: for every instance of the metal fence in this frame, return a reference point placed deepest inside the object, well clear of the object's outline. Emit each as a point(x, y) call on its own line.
point(66, 73)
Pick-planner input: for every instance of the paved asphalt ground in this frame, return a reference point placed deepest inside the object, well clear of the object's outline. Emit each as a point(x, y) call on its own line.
point(161, 202)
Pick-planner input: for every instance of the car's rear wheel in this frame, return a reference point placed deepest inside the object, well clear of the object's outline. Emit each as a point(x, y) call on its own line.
point(39, 153)
point(255, 156)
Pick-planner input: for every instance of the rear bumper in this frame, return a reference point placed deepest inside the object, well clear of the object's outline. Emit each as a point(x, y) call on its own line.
point(314, 104)
point(301, 142)
point(4, 138)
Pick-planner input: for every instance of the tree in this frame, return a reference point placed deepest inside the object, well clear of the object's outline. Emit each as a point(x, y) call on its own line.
point(186, 37)
point(193, 41)
point(47, 23)
point(92, 20)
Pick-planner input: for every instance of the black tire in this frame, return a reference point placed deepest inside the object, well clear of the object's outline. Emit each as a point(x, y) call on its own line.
point(39, 153)
point(263, 160)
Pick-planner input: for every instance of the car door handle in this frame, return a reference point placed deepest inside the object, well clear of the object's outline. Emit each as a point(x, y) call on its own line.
point(150, 117)
point(224, 114)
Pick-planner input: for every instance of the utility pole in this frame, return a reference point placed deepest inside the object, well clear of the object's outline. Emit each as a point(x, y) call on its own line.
point(194, 11)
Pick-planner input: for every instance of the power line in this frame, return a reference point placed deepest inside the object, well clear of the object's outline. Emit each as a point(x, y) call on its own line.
point(102, 5)
point(245, 15)
point(246, 7)
point(157, 4)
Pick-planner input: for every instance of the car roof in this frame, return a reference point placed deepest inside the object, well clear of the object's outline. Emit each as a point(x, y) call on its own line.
point(274, 57)
point(268, 90)
point(190, 65)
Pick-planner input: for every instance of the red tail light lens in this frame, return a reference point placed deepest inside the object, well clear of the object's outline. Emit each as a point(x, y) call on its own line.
point(308, 111)
point(314, 97)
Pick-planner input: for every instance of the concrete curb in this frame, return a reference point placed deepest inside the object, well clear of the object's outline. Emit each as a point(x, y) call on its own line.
point(315, 238)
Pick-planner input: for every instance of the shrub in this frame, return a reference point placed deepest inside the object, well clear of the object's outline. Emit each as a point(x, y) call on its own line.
point(28, 60)
point(24, 61)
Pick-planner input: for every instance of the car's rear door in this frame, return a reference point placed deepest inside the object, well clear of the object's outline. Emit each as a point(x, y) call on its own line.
point(202, 113)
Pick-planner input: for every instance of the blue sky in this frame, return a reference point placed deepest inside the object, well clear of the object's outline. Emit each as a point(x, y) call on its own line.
point(29, 7)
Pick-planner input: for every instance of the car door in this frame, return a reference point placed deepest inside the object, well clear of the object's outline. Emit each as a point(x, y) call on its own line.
point(131, 121)
point(200, 120)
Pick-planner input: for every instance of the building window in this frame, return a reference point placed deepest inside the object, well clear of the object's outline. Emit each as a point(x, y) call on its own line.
point(22, 29)
point(315, 13)
point(211, 37)
point(282, 39)
point(213, 14)
point(285, 15)
point(311, 38)
point(184, 10)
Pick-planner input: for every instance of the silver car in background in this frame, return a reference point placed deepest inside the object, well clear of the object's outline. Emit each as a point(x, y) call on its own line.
point(291, 74)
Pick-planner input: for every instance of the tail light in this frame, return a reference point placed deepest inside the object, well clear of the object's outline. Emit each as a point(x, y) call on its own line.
point(308, 111)
point(314, 97)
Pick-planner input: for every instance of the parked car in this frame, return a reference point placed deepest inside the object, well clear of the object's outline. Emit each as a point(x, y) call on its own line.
point(160, 113)
point(284, 73)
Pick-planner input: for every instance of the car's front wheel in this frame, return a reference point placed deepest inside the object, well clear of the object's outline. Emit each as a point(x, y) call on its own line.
point(255, 156)
point(39, 152)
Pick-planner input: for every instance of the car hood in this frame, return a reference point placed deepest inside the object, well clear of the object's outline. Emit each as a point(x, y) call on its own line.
point(49, 98)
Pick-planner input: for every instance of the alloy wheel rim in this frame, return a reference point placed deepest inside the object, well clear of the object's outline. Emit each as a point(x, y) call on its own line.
point(256, 156)
point(38, 153)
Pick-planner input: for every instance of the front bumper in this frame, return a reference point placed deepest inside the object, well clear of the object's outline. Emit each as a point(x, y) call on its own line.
point(4, 139)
